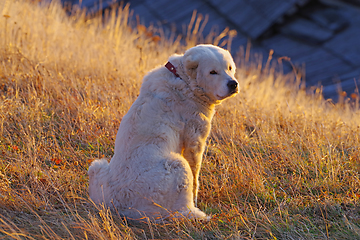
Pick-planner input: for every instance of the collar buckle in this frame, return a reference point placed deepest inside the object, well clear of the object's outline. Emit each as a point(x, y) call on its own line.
point(171, 68)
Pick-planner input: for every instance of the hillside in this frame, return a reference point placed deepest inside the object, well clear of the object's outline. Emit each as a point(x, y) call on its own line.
point(279, 164)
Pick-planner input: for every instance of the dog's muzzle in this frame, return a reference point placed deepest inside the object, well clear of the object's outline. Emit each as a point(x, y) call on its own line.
point(233, 86)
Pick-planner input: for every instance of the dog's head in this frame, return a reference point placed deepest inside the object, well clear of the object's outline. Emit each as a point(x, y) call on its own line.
point(212, 69)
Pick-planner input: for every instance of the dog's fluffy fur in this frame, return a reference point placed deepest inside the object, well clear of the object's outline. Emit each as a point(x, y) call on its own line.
point(160, 142)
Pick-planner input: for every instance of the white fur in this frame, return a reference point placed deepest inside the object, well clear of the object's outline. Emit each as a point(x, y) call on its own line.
point(159, 146)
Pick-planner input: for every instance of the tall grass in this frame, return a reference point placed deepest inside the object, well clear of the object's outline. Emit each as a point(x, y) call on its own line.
point(279, 164)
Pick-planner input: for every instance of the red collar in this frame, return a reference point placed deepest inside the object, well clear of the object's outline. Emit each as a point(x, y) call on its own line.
point(171, 68)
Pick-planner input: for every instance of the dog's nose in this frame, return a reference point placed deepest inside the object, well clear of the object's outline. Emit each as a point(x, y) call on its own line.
point(232, 85)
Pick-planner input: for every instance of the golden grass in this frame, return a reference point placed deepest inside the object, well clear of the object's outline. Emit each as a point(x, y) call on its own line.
point(279, 164)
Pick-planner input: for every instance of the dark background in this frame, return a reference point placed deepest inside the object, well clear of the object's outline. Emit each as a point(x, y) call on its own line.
point(321, 35)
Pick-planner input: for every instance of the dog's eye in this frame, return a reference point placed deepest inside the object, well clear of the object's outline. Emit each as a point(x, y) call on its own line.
point(230, 68)
point(213, 72)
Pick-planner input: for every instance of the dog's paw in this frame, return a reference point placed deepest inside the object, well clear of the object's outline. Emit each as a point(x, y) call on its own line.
point(193, 213)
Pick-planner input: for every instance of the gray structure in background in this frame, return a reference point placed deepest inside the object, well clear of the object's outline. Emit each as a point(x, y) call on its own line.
point(323, 35)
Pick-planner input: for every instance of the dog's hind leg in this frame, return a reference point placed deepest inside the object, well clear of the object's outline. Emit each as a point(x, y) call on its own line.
point(184, 192)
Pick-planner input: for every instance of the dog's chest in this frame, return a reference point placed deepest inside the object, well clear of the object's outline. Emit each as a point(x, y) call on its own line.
point(197, 126)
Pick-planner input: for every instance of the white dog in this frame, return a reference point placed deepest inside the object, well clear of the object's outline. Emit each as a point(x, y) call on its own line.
point(159, 146)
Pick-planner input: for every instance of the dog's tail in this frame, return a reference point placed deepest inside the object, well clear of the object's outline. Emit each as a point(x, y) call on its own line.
point(98, 180)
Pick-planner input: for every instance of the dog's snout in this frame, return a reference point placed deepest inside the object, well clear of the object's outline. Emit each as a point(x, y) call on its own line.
point(232, 85)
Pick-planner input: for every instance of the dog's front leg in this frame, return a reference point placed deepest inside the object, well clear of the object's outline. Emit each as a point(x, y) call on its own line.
point(196, 132)
point(193, 154)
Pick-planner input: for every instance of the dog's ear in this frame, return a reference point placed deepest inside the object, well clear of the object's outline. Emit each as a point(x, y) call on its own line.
point(191, 63)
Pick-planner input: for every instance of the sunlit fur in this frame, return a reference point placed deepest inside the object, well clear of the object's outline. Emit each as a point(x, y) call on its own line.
point(161, 140)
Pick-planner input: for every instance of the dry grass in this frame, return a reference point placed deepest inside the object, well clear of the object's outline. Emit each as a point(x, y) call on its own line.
point(279, 164)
